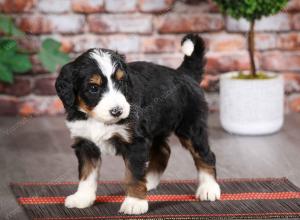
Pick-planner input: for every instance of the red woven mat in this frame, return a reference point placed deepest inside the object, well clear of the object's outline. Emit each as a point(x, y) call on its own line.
point(243, 198)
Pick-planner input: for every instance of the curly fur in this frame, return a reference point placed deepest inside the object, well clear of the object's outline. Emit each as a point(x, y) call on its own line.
point(161, 100)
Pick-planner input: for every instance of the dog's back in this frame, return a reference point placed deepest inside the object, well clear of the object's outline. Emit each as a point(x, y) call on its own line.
point(163, 94)
point(193, 63)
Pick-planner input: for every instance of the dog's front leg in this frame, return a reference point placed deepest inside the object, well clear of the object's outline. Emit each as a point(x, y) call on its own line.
point(135, 201)
point(89, 160)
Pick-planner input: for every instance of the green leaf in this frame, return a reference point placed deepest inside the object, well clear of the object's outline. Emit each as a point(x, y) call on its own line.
point(51, 44)
point(5, 74)
point(250, 9)
point(10, 57)
point(20, 63)
point(8, 27)
point(8, 46)
point(50, 55)
point(5, 23)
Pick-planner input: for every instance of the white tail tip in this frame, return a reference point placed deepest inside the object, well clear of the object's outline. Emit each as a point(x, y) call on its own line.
point(187, 47)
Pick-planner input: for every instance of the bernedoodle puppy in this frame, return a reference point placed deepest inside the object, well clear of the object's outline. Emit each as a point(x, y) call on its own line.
point(130, 109)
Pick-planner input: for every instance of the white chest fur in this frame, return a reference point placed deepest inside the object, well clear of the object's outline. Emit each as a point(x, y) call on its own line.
point(98, 132)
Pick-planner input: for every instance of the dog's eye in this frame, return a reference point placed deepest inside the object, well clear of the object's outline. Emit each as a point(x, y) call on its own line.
point(93, 89)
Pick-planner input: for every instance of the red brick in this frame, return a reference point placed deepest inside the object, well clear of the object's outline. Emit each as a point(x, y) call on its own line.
point(293, 6)
point(84, 42)
point(8, 105)
point(292, 82)
point(182, 23)
point(120, 23)
point(54, 6)
point(37, 67)
point(225, 42)
point(121, 43)
point(30, 43)
point(225, 62)
point(120, 5)
point(124, 43)
point(294, 104)
point(67, 46)
point(10, 6)
point(135, 57)
point(170, 60)
point(281, 61)
point(35, 24)
point(296, 21)
point(88, 6)
point(264, 41)
point(292, 76)
point(213, 7)
point(40, 105)
point(278, 22)
point(155, 6)
point(20, 87)
point(210, 83)
point(66, 24)
point(160, 44)
point(194, 6)
point(289, 41)
point(45, 85)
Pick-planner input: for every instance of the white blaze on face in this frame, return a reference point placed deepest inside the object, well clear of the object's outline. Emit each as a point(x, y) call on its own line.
point(112, 98)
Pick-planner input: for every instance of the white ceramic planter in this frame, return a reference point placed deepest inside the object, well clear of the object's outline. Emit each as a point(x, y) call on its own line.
point(251, 107)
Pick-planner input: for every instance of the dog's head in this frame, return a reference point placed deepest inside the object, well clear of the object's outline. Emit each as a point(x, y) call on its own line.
point(95, 84)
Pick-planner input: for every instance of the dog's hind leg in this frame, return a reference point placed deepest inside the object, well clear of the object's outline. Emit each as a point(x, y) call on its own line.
point(159, 157)
point(88, 155)
point(195, 139)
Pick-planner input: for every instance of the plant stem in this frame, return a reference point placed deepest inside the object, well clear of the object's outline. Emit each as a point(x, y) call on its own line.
point(251, 48)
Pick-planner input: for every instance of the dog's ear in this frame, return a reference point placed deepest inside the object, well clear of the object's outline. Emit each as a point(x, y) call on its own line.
point(120, 57)
point(64, 86)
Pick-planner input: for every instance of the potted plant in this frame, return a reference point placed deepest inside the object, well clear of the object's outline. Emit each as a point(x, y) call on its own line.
point(252, 102)
point(15, 60)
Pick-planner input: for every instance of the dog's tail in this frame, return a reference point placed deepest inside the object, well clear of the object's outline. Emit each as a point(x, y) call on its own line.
point(193, 48)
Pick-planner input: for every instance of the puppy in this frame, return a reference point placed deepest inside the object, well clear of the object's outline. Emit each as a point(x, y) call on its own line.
point(130, 109)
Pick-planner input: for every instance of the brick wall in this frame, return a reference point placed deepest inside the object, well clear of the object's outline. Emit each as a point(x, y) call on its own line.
point(148, 30)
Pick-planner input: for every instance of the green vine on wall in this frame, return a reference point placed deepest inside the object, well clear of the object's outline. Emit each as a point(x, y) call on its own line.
point(15, 60)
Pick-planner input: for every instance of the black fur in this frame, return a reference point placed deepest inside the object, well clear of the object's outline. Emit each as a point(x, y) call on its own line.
point(162, 99)
point(86, 151)
point(191, 65)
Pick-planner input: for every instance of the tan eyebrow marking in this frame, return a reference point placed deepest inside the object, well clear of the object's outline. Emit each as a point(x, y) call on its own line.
point(119, 74)
point(83, 105)
point(96, 79)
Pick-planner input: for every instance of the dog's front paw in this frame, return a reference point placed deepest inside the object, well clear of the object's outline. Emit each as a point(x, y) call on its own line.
point(208, 191)
point(134, 206)
point(79, 200)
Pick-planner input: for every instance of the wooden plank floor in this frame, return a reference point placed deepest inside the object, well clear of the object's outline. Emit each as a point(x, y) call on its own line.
point(37, 149)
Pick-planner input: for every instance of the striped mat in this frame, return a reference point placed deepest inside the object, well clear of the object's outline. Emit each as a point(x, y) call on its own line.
point(241, 198)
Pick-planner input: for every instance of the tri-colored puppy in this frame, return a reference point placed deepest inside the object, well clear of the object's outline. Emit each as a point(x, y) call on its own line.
point(130, 109)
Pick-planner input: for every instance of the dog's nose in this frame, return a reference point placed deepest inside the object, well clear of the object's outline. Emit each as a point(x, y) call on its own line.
point(116, 111)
